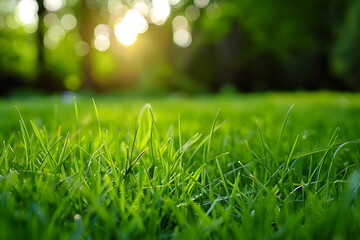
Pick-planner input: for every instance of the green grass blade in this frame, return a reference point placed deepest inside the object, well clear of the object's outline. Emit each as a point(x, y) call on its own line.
point(283, 130)
point(222, 177)
point(98, 119)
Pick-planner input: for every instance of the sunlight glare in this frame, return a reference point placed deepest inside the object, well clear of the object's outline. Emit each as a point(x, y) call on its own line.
point(27, 10)
point(160, 11)
point(53, 5)
point(126, 31)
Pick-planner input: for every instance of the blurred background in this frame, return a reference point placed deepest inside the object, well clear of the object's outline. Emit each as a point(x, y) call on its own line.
point(189, 46)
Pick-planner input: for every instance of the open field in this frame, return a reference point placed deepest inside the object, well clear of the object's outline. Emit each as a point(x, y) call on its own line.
point(179, 168)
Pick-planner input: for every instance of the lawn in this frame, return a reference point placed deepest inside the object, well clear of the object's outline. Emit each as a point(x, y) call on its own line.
point(246, 166)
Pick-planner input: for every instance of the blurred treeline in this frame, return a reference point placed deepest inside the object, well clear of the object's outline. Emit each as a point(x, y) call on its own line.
point(243, 45)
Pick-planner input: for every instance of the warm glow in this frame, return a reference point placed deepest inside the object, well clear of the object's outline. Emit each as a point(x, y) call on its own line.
point(27, 11)
point(160, 11)
point(126, 31)
point(182, 38)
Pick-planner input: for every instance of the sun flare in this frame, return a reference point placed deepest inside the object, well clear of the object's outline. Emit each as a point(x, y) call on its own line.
point(132, 24)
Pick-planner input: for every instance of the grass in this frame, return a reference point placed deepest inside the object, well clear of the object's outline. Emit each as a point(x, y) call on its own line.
point(115, 167)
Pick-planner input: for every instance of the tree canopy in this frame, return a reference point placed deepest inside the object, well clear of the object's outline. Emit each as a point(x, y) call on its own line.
point(179, 45)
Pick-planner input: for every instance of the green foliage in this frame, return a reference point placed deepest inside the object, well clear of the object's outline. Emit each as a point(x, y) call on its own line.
point(272, 25)
point(102, 170)
point(17, 55)
point(251, 45)
point(346, 53)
